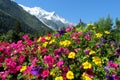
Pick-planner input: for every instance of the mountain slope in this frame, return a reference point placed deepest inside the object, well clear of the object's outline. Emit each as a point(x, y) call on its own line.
point(7, 22)
point(49, 18)
point(17, 12)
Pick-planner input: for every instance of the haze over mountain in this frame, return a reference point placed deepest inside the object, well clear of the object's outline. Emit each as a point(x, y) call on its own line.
point(51, 19)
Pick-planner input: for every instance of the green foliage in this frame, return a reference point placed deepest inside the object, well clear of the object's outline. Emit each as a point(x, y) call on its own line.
point(104, 24)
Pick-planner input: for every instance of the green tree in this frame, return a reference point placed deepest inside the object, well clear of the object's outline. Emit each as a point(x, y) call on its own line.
point(104, 24)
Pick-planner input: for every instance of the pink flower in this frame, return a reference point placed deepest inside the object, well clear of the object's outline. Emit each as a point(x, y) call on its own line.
point(76, 50)
point(33, 62)
point(113, 65)
point(42, 39)
point(73, 34)
point(79, 33)
point(29, 42)
point(49, 60)
point(21, 59)
point(76, 39)
point(25, 37)
point(4, 75)
point(56, 35)
point(68, 29)
point(60, 63)
point(43, 50)
point(10, 63)
point(87, 37)
point(27, 71)
point(45, 73)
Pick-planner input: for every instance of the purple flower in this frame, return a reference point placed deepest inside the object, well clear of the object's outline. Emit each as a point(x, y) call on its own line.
point(113, 42)
point(34, 71)
point(88, 33)
point(86, 51)
point(98, 45)
point(61, 32)
point(106, 68)
point(110, 77)
point(103, 40)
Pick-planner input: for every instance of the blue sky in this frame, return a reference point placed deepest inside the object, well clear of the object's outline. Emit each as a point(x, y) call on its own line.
point(74, 10)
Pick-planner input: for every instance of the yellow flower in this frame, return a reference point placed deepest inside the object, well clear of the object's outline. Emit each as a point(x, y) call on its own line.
point(107, 32)
point(71, 55)
point(39, 39)
point(94, 27)
point(47, 38)
point(85, 77)
point(59, 78)
point(45, 44)
point(97, 60)
point(23, 68)
point(52, 73)
point(51, 41)
point(70, 75)
point(91, 52)
point(89, 25)
point(65, 43)
point(99, 35)
point(86, 65)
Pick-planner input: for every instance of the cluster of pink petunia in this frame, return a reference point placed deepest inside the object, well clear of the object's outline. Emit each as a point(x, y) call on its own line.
point(70, 54)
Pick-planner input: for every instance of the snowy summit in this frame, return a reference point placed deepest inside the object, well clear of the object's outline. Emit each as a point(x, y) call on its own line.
point(51, 19)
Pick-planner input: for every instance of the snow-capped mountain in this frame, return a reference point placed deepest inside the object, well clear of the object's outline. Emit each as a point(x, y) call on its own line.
point(51, 19)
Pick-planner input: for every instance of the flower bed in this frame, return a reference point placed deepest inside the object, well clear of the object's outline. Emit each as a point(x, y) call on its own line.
point(71, 54)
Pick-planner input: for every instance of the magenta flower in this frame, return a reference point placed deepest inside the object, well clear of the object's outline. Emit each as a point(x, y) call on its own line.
point(79, 33)
point(42, 39)
point(49, 60)
point(21, 59)
point(60, 63)
point(86, 51)
point(68, 29)
point(76, 39)
point(25, 37)
point(45, 73)
point(87, 37)
point(112, 64)
point(29, 42)
point(33, 62)
point(74, 34)
point(10, 63)
point(90, 73)
point(3, 75)
point(43, 50)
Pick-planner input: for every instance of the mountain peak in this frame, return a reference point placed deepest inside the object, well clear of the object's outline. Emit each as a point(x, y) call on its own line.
point(51, 19)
